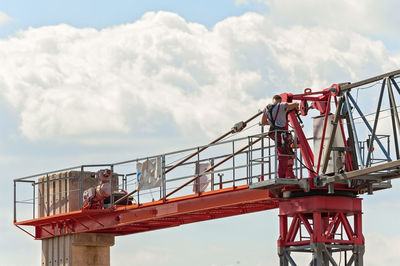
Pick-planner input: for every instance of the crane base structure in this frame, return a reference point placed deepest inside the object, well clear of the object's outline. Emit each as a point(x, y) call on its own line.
point(320, 210)
point(320, 225)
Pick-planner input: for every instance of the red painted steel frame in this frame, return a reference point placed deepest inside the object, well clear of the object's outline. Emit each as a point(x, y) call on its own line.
point(306, 152)
point(324, 99)
point(321, 216)
point(155, 215)
point(327, 110)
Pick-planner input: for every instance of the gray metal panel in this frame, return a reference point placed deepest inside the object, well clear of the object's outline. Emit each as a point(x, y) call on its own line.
point(273, 183)
point(338, 142)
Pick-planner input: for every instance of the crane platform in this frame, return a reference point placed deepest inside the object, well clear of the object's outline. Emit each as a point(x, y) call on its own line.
point(57, 209)
point(131, 219)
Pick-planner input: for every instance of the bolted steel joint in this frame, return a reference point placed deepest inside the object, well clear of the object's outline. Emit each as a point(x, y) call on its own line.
point(239, 126)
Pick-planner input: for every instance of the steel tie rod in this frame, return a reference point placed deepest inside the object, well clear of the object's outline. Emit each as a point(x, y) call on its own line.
point(237, 128)
point(214, 141)
point(213, 167)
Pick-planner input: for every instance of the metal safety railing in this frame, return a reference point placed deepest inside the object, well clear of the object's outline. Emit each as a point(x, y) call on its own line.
point(256, 163)
point(364, 147)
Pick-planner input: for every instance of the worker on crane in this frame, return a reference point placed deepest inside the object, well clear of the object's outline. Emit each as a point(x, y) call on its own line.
point(275, 115)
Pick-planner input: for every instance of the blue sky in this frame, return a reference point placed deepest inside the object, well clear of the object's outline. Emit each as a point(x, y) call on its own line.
point(151, 66)
point(101, 14)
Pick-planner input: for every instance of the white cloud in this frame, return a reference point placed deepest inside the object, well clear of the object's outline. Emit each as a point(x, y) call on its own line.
point(381, 249)
point(145, 256)
point(68, 82)
point(4, 18)
point(362, 16)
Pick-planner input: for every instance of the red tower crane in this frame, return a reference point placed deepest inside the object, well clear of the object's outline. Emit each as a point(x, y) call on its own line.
point(320, 211)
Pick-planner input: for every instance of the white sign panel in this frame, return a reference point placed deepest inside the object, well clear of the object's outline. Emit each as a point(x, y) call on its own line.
point(204, 180)
point(149, 173)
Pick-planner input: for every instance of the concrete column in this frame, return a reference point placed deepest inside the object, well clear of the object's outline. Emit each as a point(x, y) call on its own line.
point(91, 249)
point(59, 193)
point(77, 250)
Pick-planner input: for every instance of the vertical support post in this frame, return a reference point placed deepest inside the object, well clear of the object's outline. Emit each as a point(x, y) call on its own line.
point(48, 196)
point(340, 122)
point(126, 183)
point(282, 258)
point(359, 251)
point(161, 189)
point(378, 109)
point(276, 154)
point(161, 185)
point(34, 201)
point(317, 224)
point(348, 166)
point(233, 163)
point(138, 197)
point(301, 166)
point(269, 158)
point(138, 190)
point(112, 185)
point(395, 117)
point(212, 174)
point(354, 130)
point(262, 153)
point(81, 186)
point(247, 166)
point(248, 161)
point(251, 160)
point(198, 171)
point(163, 178)
point(295, 154)
point(362, 145)
point(15, 201)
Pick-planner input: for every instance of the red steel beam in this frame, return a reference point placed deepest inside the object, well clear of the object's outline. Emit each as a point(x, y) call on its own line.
point(181, 210)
